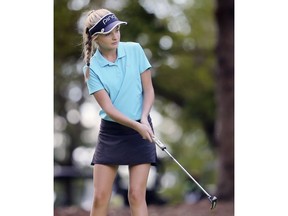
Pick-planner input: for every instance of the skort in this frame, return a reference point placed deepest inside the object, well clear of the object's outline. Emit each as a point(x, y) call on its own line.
point(121, 145)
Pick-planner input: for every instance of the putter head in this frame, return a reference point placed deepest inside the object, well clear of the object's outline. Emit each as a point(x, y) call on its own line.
point(213, 200)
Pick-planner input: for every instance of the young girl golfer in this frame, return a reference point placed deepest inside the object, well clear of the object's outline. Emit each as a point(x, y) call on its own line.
point(118, 76)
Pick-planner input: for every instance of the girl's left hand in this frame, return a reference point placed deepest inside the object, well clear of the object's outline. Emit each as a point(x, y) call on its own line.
point(145, 122)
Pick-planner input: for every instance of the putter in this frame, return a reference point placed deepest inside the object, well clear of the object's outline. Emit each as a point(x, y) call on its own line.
point(212, 199)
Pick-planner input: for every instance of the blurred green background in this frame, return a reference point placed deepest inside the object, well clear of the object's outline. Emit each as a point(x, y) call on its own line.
point(190, 44)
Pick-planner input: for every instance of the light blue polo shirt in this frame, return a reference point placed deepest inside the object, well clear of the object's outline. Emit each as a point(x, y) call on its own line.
point(121, 79)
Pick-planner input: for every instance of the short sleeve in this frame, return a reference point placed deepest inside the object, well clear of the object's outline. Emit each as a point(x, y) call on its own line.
point(144, 64)
point(93, 83)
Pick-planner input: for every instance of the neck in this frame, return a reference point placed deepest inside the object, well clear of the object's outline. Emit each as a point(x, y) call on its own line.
point(110, 55)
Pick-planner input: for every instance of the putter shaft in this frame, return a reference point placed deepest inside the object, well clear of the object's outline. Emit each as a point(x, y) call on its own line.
point(213, 199)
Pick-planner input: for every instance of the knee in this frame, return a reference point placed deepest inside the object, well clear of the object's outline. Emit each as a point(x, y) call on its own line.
point(101, 198)
point(136, 196)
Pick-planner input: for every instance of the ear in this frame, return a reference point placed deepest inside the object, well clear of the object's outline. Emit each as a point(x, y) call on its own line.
point(94, 38)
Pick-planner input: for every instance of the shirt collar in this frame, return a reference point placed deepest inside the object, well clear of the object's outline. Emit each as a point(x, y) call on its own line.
point(103, 61)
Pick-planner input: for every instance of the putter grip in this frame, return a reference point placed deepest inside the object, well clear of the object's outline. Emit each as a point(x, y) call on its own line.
point(159, 143)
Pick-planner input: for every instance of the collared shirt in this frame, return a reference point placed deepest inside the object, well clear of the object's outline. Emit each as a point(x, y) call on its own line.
point(120, 79)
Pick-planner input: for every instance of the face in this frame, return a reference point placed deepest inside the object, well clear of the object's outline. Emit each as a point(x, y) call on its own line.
point(109, 41)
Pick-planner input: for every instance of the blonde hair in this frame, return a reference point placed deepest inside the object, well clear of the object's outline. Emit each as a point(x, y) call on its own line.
point(89, 46)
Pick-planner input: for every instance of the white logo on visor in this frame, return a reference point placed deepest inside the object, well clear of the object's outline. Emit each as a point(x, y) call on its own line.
point(107, 19)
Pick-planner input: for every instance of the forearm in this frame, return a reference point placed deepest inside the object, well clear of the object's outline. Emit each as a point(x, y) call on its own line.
point(148, 100)
point(120, 118)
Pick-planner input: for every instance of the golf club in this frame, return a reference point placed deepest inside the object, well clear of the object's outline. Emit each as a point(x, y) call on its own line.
point(212, 199)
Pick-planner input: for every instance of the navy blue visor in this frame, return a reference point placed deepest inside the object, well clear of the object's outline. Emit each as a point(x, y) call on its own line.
point(105, 25)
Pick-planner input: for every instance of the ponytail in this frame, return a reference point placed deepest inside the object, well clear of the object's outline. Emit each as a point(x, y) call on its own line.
point(87, 52)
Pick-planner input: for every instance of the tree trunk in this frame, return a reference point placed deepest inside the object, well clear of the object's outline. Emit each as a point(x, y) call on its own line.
point(224, 128)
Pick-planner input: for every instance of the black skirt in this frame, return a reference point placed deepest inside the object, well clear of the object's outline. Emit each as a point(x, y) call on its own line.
point(121, 145)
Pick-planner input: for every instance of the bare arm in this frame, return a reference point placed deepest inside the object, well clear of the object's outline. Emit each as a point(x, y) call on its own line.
point(148, 95)
point(105, 103)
